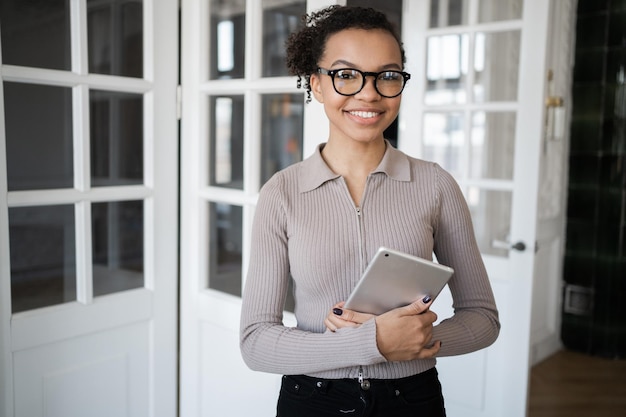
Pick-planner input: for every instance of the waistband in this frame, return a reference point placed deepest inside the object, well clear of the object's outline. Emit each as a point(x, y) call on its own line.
point(423, 379)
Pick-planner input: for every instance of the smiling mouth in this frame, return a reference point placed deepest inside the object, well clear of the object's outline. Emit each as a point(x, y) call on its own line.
point(364, 114)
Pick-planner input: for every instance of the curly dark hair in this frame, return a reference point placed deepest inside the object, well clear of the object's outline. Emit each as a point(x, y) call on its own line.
point(306, 47)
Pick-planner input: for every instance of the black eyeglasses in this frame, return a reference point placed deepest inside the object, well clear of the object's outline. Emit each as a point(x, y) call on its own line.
point(349, 81)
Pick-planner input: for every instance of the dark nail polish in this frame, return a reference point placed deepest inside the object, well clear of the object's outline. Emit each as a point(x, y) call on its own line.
point(337, 311)
point(426, 299)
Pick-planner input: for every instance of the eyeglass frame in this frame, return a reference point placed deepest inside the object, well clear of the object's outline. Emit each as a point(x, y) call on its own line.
point(331, 73)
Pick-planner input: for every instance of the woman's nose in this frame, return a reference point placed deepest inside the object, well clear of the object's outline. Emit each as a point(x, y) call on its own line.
point(369, 89)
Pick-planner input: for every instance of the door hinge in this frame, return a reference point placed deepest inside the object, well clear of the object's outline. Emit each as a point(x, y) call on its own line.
point(179, 102)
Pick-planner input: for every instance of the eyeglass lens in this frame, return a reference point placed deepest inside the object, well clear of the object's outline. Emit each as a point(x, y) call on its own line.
point(351, 81)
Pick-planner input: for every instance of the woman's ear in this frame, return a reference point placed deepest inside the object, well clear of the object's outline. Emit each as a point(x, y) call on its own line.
point(316, 87)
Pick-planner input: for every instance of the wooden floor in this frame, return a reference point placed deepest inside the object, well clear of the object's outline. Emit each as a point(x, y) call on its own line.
point(570, 384)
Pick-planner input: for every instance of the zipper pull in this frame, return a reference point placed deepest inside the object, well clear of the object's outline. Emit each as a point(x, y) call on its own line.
point(365, 384)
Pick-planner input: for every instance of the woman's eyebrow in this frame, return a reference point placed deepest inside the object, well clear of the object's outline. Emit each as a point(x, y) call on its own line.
point(353, 65)
point(342, 62)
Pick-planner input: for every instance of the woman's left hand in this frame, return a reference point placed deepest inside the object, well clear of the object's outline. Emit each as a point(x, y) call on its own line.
point(340, 317)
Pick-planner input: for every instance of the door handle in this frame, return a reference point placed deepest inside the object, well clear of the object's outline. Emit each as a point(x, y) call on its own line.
point(501, 244)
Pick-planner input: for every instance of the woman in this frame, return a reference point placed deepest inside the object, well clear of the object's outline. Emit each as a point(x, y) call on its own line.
point(320, 221)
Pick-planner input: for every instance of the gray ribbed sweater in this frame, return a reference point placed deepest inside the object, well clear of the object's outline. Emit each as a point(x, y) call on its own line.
point(307, 227)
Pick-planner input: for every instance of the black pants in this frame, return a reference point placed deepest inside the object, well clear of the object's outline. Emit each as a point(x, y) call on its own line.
point(415, 396)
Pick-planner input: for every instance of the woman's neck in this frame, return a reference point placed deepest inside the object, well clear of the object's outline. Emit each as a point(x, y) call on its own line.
point(354, 163)
point(354, 158)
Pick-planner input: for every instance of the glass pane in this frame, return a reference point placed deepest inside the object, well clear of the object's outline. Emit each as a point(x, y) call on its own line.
point(116, 130)
point(225, 248)
point(491, 214)
point(117, 252)
point(279, 20)
point(493, 145)
point(43, 256)
point(444, 140)
point(115, 37)
point(36, 33)
point(391, 9)
point(227, 39)
point(282, 127)
point(38, 123)
point(496, 63)
point(496, 10)
point(446, 69)
point(448, 13)
point(226, 142)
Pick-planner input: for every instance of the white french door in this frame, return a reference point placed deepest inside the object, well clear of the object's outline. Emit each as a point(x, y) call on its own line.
point(243, 120)
point(475, 104)
point(88, 186)
point(477, 108)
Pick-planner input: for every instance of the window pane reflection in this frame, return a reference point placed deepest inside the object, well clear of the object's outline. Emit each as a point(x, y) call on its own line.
point(446, 69)
point(115, 37)
point(39, 154)
point(444, 140)
point(116, 130)
point(491, 215)
point(497, 10)
point(225, 247)
point(36, 33)
point(226, 142)
point(118, 258)
point(279, 20)
point(281, 142)
point(43, 256)
point(227, 39)
point(497, 65)
point(448, 13)
point(493, 142)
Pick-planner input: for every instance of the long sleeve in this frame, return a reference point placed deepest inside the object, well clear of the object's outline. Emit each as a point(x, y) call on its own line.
point(475, 323)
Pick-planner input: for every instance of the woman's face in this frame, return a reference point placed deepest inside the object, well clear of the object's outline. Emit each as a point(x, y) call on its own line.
point(364, 116)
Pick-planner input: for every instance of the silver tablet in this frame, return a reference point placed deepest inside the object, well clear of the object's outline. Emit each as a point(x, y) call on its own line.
point(395, 279)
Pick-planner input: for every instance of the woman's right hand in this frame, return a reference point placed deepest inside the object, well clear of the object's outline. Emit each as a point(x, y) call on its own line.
point(405, 333)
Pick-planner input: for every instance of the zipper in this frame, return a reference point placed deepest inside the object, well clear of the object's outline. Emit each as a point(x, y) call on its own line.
point(365, 383)
point(359, 224)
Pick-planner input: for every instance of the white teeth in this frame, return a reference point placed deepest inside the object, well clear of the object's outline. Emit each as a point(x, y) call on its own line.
point(364, 114)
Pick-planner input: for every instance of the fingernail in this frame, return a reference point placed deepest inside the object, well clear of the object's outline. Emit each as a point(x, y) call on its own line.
point(337, 311)
point(426, 299)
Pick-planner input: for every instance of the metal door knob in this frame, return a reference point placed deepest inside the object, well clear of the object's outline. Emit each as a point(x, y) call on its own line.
point(519, 246)
point(500, 244)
